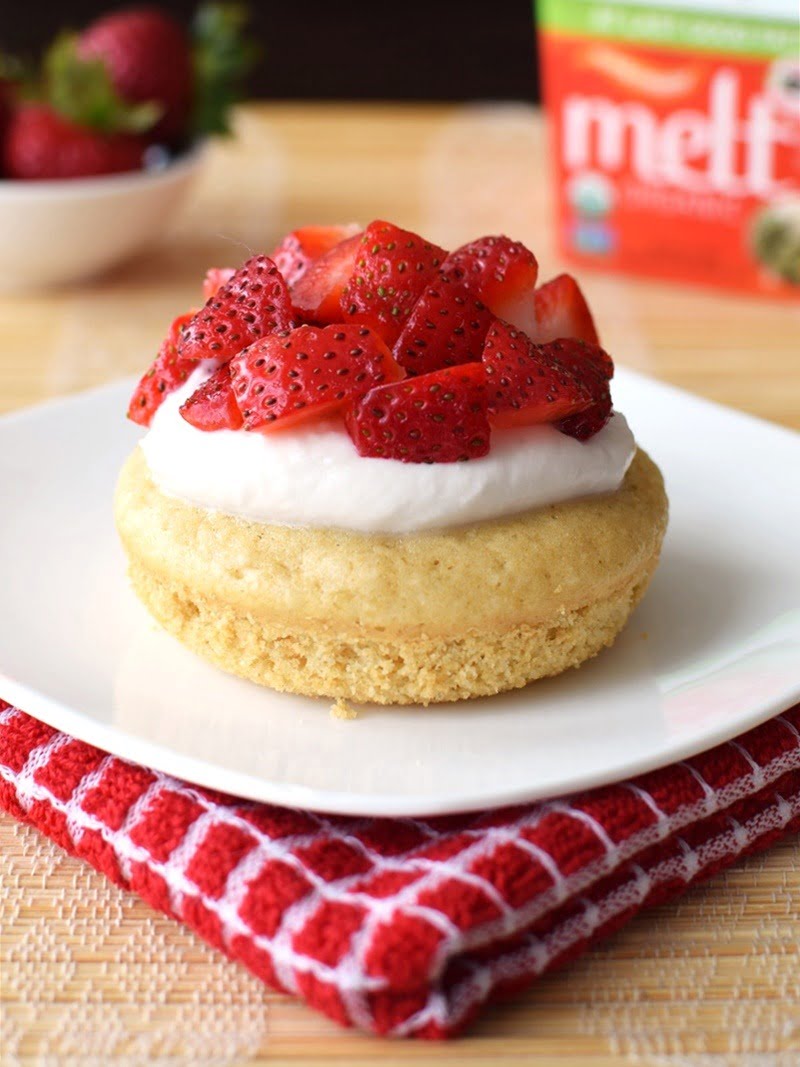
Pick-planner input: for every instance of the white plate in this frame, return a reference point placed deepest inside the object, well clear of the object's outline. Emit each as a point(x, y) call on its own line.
point(713, 650)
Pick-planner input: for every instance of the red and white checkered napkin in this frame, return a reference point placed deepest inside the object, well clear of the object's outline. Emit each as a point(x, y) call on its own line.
point(403, 926)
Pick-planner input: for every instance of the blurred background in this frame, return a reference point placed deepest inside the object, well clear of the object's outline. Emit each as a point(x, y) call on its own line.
point(359, 50)
point(656, 158)
point(665, 147)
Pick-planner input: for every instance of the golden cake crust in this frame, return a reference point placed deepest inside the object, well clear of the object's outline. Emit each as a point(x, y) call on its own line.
point(425, 617)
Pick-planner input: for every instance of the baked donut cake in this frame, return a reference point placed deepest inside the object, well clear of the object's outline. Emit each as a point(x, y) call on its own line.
point(383, 472)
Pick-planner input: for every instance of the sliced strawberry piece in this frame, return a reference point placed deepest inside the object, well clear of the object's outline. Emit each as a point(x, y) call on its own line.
point(392, 268)
point(307, 372)
point(527, 383)
point(589, 363)
point(214, 280)
point(587, 423)
point(592, 364)
point(166, 373)
point(317, 295)
point(583, 358)
point(300, 248)
point(500, 271)
point(213, 406)
point(446, 327)
point(558, 309)
point(433, 418)
point(253, 303)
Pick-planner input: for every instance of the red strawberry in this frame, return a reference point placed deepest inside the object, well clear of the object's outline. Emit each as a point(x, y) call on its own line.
point(500, 271)
point(583, 358)
point(558, 309)
point(317, 295)
point(589, 363)
point(392, 268)
point(253, 303)
point(446, 327)
point(527, 383)
point(433, 418)
point(587, 423)
point(300, 248)
point(288, 377)
point(214, 280)
point(148, 57)
point(163, 377)
point(213, 406)
point(40, 144)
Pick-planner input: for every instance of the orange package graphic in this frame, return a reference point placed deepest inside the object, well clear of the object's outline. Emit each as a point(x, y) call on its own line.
point(675, 136)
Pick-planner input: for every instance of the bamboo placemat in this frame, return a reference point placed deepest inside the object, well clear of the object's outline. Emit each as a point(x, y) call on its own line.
point(92, 975)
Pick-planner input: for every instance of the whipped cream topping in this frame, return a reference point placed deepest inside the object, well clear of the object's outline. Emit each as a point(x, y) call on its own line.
point(312, 475)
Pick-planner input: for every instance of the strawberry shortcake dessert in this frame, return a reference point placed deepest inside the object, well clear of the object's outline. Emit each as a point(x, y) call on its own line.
point(380, 471)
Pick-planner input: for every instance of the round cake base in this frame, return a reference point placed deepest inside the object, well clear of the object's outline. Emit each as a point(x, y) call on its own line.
point(423, 618)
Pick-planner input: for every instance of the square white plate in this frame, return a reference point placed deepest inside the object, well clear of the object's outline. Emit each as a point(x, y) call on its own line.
point(713, 650)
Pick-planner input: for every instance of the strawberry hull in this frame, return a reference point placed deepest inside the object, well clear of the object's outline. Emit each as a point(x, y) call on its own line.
point(675, 142)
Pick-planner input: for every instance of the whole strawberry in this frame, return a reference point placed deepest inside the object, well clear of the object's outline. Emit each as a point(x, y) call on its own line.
point(78, 126)
point(148, 57)
point(41, 144)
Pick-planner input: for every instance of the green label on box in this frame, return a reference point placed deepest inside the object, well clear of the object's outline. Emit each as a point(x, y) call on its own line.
point(692, 29)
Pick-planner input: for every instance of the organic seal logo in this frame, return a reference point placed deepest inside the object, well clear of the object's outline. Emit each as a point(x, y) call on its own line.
point(775, 239)
point(782, 84)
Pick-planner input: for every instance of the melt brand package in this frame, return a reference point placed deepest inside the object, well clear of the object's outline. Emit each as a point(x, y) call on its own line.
point(676, 138)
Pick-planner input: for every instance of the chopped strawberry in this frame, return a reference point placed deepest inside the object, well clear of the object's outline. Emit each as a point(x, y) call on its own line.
point(446, 327)
point(300, 248)
point(583, 358)
point(433, 418)
point(163, 377)
point(289, 377)
point(318, 293)
point(527, 383)
point(589, 422)
point(214, 280)
point(558, 309)
point(392, 268)
point(590, 363)
point(213, 406)
point(500, 271)
point(250, 305)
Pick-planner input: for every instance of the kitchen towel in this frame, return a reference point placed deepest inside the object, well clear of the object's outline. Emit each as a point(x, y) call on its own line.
point(404, 927)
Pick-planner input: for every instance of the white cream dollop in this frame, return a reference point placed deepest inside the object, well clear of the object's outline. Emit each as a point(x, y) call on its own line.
point(313, 476)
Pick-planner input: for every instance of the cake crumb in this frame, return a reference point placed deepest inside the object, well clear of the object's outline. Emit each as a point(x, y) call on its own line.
point(340, 709)
point(645, 635)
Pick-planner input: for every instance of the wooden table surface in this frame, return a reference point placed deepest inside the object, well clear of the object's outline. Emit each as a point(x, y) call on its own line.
point(91, 975)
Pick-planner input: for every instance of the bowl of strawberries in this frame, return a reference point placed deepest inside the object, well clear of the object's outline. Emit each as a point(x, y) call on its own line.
point(100, 143)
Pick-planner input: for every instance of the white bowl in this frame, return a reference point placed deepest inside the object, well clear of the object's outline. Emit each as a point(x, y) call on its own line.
point(55, 232)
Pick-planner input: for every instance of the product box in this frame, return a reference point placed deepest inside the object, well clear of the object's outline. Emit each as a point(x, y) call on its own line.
point(675, 137)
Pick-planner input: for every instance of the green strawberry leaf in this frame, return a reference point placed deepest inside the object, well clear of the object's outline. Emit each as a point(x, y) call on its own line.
point(223, 57)
point(81, 90)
